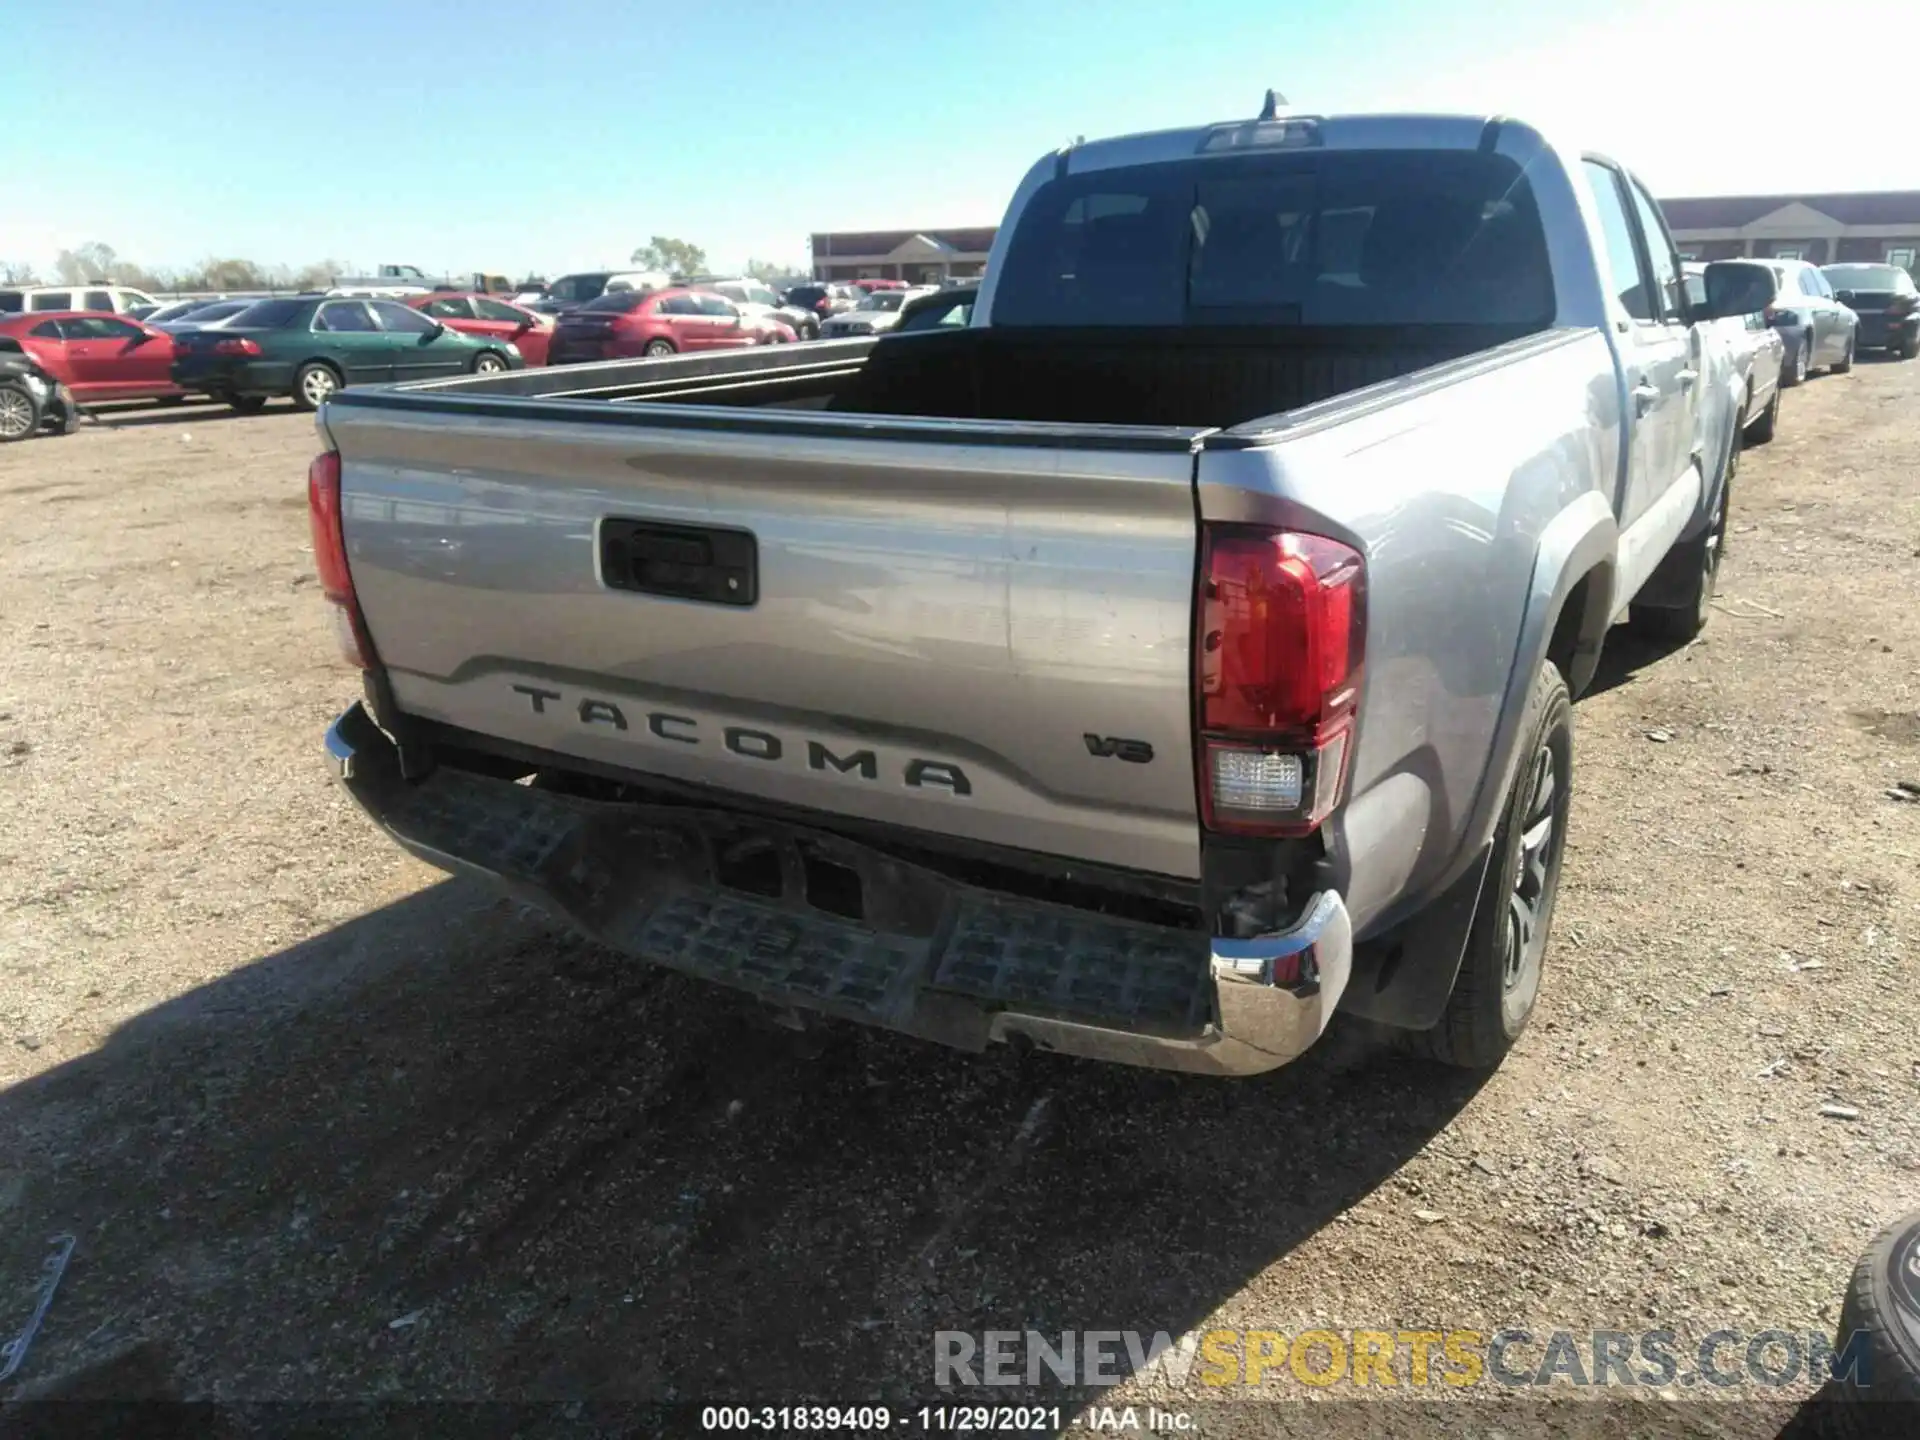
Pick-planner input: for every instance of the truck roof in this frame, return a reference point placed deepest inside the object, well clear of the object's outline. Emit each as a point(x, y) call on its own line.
point(1332, 132)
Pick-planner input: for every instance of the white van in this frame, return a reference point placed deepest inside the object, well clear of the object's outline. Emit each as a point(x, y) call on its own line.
point(115, 298)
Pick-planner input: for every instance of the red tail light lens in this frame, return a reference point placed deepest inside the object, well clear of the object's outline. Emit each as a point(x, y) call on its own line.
point(1281, 639)
point(330, 557)
point(236, 345)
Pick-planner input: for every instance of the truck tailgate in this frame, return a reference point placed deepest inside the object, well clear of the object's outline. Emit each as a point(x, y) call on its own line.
point(969, 628)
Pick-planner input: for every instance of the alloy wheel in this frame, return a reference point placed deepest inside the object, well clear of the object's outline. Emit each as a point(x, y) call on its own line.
point(317, 385)
point(1536, 875)
point(489, 365)
point(16, 415)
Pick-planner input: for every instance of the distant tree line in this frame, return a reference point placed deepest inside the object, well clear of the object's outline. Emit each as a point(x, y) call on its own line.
point(100, 264)
point(96, 263)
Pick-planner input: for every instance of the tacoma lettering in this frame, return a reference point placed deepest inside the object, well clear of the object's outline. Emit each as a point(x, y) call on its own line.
point(916, 773)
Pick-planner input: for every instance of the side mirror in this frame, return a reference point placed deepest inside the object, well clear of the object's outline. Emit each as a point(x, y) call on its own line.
point(1734, 288)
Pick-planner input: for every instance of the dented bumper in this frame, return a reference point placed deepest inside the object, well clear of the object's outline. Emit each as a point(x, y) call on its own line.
point(928, 955)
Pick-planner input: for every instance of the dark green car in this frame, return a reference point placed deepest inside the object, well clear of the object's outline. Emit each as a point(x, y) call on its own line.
point(306, 347)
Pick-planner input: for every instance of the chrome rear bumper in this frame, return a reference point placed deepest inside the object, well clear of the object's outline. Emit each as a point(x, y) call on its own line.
point(931, 957)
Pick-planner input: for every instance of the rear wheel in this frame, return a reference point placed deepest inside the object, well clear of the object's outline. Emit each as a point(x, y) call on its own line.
point(1499, 980)
point(314, 385)
point(656, 348)
point(248, 404)
point(488, 362)
point(1908, 348)
point(19, 413)
point(1845, 362)
point(1761, 431)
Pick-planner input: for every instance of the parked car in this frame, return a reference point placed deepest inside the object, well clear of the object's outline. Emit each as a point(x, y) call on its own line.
point(1817, 328)
point(823, 300)
point(755, 297)
point(32, 397)
point(1887, 302)
point(1132, 673)
point(651, 323)
point(98, 356)
point(492, 318)
point(570, 292)
point(1748, 354)
point(307, 347)
point(942, 309)
point(171, 311)
point(213, 313)
point(876, 314)
point(91, 299)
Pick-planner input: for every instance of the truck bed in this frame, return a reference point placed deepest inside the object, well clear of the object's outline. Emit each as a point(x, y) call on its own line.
point(1189, 378)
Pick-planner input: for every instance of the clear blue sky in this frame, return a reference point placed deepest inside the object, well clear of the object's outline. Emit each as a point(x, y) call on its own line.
point(545, 137)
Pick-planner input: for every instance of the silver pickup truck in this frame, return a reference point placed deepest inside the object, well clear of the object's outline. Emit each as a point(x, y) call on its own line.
point(1174, 655)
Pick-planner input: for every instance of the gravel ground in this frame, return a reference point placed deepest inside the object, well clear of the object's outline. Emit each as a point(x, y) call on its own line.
point(328, 1124)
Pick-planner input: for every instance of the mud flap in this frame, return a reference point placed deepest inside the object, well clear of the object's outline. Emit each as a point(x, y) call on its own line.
point(1403, 977)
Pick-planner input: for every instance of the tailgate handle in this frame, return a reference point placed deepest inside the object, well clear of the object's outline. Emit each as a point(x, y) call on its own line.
point(686, 562)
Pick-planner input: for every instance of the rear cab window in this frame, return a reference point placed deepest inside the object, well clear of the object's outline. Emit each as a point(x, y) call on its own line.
point(1328, 238)
point(51, 300)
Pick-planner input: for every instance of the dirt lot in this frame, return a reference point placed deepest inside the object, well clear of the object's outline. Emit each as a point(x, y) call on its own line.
point(327, 1124)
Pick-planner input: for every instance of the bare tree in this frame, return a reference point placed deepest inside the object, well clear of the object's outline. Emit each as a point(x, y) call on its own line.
point(768, 271)
point(676, 257)
point(18, 272)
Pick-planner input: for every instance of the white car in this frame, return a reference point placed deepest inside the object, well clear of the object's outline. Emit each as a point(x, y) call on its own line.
point(115, 299)
point(878, 313)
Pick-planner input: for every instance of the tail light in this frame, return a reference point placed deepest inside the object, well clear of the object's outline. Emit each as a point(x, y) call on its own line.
point(236, 345)
point(1282, 634)
point(330, 558)
point(823, 305)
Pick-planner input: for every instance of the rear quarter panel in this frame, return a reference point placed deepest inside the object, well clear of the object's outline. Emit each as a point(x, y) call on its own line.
point(1468, 488)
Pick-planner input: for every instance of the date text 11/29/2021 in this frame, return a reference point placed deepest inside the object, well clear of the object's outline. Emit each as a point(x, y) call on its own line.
point(927, 1420)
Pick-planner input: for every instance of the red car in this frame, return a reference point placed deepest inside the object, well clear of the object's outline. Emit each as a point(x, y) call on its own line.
point(472, 313)
point(872, 285)
point(624, 323)
point(98, 355)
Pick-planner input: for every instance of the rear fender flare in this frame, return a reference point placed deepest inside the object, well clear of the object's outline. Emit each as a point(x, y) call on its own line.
point(1577, 544)
point(1402, 977)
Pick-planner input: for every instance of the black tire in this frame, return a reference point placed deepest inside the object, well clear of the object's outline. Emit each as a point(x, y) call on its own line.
point(1845, 362)
point(69, 412)
point(1499, 980)
point(489, 362)
point(247, 404)
point(1799, 363)
point(1761, 431)
point(20, 413)
point(1883, 1305)
point(656, 348)
point(1687, 616)
point(812, 332)
point(308, 384)
point(1907, 349)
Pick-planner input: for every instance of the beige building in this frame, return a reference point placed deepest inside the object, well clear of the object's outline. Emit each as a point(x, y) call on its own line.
point(920, 257)
point(1876, 227)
